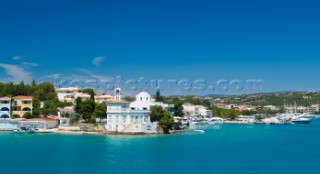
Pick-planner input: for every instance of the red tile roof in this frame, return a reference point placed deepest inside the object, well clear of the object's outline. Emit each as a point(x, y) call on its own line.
point(5, 98)
point(49, 119)
point(22, 97)
point(118, 101)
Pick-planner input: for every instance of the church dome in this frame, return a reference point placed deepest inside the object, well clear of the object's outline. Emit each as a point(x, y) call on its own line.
point(143, 96)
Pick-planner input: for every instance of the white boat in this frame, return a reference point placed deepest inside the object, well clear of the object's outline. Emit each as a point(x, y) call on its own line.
point(294, 118)
point(216, 120)
point(201, 131)
point(185, 121)
point(301, 120)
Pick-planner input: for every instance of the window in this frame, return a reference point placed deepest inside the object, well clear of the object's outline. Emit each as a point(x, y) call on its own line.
point(147, 98)
point(133, 108)
point(15, 102)
point(110, 118)
point(144, 109)
point(141, 98)
point(25, 102)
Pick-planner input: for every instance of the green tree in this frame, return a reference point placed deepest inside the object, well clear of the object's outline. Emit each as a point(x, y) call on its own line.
point(50, 107)
point(74, 119)
point(90, 92)
point(100, 111)
point(45, 91)
point(157, 113)
point(27, 115)
point(178, 107)
point(87, 108)
point(35, 108)
point(158, 96)
point(20, 89)
point(78, 105)
point(259, 118)
point(225, 113)
point(166, 122)
point(15, 116)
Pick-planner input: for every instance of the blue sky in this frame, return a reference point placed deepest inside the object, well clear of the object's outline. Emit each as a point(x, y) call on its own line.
point(277, 42)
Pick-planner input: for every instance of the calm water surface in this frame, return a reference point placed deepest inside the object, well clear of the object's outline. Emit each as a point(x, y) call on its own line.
point(222, 149)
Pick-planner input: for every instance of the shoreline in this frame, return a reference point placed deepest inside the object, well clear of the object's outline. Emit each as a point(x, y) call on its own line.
point(65, 132)
point(77, 131)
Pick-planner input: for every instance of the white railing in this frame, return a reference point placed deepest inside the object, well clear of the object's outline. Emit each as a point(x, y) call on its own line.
point(127, 110)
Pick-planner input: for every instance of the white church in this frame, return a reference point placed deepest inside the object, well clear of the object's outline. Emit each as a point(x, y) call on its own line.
point(134, 117)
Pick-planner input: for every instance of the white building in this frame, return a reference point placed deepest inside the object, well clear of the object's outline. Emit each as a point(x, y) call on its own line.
point(196, 110)
point(5, 107)
point(271, 107)
point(313, 109)
point(143, 101)
point(302, 109)
point(124, 119)
point(70, 94)
point(230, 106)
point(104, 98)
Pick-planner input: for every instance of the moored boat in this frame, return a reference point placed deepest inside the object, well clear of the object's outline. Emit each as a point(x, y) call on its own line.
point(301, 120)
point(23, 130)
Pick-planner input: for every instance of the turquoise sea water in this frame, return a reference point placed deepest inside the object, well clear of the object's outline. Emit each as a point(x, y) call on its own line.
point(222, 149)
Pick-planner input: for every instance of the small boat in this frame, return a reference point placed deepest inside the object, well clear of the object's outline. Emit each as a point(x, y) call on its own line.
point(185, 122)
point(201, 131)
point(216, 120)
point(301, 120)
point(23, 130)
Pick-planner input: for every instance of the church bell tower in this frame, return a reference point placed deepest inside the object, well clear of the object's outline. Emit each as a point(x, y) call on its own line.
point(117, 94)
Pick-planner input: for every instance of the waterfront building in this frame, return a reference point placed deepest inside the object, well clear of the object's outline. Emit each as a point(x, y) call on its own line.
point(245, 108)
point(124, 119)
point(143, 101)
point(230, 106)
point(8, 124)
point(67, 111)
point(5, 107)
point(70, 94)
point(20, 105)
point(196, 111)
point(102, 98)
point(302, 109)
point(271, 107)
point(41, 123)
point(313, 109)
point(220, 105)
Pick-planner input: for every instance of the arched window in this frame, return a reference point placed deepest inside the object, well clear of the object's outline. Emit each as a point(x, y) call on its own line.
point(4, 116)
point(26, 109)
point(4, 109)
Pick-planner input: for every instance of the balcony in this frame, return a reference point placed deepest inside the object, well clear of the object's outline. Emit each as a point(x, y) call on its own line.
point(127, 110)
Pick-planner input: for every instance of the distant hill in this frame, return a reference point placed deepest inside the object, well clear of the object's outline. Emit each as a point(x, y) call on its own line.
point(275, 98)
point(215, 95)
